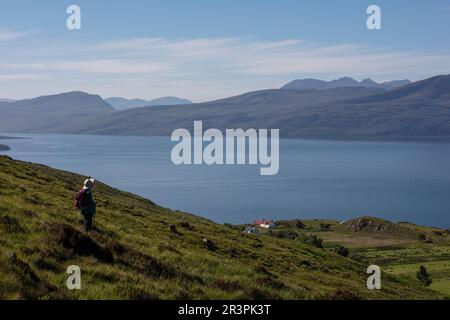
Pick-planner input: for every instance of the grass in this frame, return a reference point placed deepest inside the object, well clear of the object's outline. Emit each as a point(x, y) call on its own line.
point(135, 255)
point(440, 271)
point(398, 248)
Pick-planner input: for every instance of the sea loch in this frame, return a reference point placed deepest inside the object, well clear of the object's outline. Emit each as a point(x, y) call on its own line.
point(317, 179)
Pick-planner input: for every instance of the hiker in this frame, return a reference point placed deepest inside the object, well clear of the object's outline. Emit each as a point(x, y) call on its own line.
point(84, 201)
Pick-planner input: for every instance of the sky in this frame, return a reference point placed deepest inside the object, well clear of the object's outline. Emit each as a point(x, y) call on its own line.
point(209, 49)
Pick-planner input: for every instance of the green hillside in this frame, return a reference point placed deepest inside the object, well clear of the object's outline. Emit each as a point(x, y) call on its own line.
point(398, 248)
point(137, 256)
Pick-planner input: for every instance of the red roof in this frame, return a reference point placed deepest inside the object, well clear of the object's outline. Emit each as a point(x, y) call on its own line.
point(263, 222)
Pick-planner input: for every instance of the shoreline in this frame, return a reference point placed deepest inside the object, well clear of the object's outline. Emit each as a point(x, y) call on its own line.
point(307, 218)
point(9, 138)
point(391, 139)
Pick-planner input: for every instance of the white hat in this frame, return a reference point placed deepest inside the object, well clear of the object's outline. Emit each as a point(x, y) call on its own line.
point(88, 184)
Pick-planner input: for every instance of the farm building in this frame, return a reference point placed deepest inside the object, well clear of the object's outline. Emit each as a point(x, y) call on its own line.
point(265, 223)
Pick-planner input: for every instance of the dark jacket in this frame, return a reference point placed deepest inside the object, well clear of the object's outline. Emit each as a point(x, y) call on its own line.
point(89, 202)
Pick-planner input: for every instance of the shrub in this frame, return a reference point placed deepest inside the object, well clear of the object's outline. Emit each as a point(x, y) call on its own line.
point(439, 233)
point(10, 225)
point(311, 240)
point(299, 224)
point(284, 234)
point(422, 237)
point(341, 250)
point(186, 225)
point(325, 226)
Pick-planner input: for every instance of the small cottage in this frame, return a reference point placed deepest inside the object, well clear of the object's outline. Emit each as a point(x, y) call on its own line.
point(268, 224)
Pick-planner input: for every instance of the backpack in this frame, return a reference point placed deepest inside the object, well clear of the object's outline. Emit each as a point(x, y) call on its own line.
point(80, 200)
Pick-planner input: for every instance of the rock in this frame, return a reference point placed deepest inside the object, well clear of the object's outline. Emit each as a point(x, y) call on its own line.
point(368, 224)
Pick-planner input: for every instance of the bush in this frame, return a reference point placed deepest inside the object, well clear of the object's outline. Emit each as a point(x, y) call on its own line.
point(284, 234)
point(311, 240)
point(341, 250)
point(439, 233)
point(424, 238)
point(325, 226)
point(299, 224)
point(186, 225)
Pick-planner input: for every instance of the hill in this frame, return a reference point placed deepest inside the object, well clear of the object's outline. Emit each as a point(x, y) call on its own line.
point(124, 104)
point(135, 255)
point(417, 111)
point(47, 113)
point(259, 109)
point(307, 84)
point(398, 248)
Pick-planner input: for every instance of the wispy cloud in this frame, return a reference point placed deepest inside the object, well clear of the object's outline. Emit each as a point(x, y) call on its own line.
point(22, 77)
point(117, 66)
point(7, 35)
point(206, 68)
point(282, 57)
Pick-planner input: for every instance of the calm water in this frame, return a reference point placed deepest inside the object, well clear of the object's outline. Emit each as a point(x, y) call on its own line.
point(317, 179)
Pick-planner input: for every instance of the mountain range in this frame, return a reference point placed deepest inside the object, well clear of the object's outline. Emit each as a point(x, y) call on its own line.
point(119, 103)
point(307, 84)
point(6, 100)
point(415, 111)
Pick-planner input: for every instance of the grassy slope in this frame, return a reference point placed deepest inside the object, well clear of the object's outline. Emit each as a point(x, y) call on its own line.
point(136, 256)
point(399, 253)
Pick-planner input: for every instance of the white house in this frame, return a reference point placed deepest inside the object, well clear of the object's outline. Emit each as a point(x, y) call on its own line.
point(265, 223)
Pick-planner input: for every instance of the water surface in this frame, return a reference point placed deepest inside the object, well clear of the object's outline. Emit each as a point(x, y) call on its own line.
point(399, 181)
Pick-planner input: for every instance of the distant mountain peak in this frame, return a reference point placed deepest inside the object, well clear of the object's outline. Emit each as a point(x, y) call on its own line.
point(6, 100)
point(345, 79)
point(308, 84)
point(120, 103)
point(368, 82)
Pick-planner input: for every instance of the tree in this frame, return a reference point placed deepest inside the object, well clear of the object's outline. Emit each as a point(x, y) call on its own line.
point(424, 276)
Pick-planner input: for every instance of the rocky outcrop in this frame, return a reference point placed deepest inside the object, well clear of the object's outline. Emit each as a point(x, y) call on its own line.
point(368, 224)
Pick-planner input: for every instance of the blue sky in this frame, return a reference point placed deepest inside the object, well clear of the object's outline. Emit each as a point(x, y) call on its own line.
point(207, 49)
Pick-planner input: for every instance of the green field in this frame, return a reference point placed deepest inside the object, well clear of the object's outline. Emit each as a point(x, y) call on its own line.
point(396, 250)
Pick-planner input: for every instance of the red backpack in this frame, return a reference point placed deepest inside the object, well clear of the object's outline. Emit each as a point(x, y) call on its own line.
point(80, 199)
